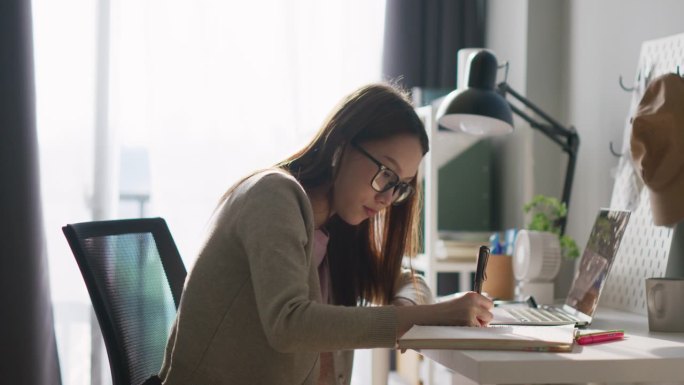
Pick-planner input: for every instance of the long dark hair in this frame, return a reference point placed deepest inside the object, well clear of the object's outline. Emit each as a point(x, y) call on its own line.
point(365, 260)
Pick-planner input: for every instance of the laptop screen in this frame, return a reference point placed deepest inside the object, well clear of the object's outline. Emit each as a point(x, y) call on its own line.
point(596, 260)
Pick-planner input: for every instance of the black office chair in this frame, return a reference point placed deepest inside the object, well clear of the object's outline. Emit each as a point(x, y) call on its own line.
point(135, 278)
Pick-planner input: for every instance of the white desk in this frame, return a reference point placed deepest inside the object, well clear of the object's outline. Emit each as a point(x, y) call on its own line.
point(642, 357)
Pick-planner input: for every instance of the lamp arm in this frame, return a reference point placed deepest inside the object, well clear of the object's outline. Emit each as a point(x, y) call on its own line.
point(569, 175)
point(544, 128)
point(504, 88)
point(566, 137)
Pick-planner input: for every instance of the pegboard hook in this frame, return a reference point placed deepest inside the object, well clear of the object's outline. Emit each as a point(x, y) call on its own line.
point(612, 150)
point(624, 87)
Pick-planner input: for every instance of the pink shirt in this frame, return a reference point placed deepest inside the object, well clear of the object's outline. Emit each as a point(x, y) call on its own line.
point(320, 248)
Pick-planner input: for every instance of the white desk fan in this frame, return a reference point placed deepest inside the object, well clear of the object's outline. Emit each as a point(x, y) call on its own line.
point(536, 262)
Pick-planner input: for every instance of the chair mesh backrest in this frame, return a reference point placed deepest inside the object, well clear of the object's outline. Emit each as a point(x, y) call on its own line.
point(131, 292)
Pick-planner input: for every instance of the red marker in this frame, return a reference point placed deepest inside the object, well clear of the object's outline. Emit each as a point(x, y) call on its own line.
point(606, 336)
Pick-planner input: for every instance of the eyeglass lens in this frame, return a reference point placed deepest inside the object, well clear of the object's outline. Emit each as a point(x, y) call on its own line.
point(386, 179)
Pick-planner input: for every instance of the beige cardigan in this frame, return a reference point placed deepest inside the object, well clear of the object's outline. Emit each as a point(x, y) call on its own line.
point(251, 310)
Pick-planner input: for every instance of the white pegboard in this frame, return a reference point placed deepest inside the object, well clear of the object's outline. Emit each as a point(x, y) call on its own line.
point(642, 254)
point(645, 247)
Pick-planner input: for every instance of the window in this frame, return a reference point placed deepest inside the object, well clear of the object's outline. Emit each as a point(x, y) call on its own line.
point(191, 96)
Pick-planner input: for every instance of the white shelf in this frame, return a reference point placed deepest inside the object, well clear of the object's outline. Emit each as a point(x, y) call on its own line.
point(444, 146)
point(420, 262)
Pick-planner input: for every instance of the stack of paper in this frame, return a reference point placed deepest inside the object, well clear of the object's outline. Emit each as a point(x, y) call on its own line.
point(461, 246)
point(527, 338)
point(457, 250)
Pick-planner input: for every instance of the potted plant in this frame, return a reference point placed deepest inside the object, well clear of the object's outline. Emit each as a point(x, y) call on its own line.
point(547, 215)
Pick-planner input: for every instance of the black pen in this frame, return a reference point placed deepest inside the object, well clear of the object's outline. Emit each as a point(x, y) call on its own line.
point(481, 272)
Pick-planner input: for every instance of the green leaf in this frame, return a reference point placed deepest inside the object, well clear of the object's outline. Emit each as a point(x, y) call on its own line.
point(546, 214)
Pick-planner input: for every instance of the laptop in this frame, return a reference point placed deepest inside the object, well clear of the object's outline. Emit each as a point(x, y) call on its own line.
point(594, 266)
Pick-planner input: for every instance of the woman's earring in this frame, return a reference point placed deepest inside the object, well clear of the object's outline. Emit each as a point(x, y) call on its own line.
point(336, 156)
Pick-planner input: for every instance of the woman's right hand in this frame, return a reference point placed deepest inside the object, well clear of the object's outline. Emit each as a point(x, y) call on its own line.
point(469, 309)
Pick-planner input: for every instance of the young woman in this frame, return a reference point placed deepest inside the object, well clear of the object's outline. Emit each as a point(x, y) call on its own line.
point(302, 263)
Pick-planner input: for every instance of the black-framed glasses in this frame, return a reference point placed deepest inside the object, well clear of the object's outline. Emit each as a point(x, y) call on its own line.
point(386, 179)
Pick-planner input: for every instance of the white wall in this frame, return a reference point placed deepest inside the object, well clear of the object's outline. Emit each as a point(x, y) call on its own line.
point(507, 37)
point(604, 40)
point(591, 43)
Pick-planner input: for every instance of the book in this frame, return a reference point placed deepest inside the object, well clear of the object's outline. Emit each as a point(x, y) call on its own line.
point(457, 250)
point(460, 246)
point(479, 237)
point(517, 337)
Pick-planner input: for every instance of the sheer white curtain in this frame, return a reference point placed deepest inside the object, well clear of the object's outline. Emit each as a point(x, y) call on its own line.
point(64, 49)
point(209, 89)
point(216, 89)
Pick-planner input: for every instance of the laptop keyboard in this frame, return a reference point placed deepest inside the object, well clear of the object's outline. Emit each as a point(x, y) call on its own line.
point(539, 315)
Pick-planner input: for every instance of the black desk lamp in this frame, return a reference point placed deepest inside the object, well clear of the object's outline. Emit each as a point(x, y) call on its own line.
point(480, 109)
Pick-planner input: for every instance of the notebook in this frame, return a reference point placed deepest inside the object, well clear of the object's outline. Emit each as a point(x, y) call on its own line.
point(503, 337)
point(594, 266)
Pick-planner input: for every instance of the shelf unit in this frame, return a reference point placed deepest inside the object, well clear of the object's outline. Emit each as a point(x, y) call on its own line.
point(444, 146)
point(463, 268)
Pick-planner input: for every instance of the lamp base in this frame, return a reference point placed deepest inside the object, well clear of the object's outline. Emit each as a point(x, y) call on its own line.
point(541, 291)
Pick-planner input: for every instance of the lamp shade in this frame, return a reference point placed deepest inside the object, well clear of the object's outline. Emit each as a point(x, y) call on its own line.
point(477, 109)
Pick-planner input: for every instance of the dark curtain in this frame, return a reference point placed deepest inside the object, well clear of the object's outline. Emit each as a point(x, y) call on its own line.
point(422, 39)
point(28, 353)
